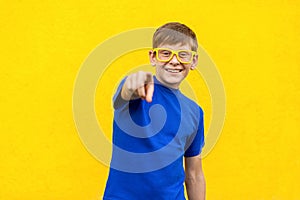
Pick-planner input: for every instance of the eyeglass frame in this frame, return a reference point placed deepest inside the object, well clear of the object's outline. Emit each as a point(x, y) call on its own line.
point(174, 52)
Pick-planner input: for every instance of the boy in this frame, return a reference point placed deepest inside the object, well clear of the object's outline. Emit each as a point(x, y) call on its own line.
point(155, 126)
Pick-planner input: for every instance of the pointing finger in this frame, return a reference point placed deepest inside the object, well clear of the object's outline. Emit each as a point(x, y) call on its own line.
point(149, 92)
point(149, 87)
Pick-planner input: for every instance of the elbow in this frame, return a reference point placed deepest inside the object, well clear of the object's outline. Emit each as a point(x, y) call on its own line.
point(195, 179)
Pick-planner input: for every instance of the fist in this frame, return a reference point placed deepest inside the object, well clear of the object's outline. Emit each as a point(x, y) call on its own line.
point(138, 85)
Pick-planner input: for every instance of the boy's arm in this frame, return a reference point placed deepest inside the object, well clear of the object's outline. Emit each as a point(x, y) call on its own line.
point(138, 85)
point(194, 181)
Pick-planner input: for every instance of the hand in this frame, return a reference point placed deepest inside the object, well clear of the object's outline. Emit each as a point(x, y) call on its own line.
point(138, 85)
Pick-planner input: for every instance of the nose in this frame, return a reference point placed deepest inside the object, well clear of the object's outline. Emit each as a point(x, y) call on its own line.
point(174, 60)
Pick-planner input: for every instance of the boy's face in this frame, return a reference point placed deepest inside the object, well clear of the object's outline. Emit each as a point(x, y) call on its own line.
point(172, 73)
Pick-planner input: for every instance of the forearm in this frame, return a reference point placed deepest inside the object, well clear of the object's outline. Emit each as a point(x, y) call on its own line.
point(196, 187)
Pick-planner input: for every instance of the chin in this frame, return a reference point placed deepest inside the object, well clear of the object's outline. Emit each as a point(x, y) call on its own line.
point(173, 82)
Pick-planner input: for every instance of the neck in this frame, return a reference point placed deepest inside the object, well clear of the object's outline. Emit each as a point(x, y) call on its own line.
point(171, 86)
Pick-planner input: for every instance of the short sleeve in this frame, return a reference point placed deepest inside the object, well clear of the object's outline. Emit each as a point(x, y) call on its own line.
point(197, 142)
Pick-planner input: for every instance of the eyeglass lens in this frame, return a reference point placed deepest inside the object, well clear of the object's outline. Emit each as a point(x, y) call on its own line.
point(182, 55)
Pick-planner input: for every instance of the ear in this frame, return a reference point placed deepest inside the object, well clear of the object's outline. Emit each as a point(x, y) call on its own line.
point(152, 57)
point(194, 62)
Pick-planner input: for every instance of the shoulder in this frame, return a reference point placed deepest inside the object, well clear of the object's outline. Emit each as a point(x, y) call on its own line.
point(191, 103)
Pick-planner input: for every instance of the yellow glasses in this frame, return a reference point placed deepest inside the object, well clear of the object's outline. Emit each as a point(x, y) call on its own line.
point(165, 55)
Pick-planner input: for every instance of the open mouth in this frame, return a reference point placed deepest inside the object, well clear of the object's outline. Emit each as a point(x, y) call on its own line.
point(174, 70)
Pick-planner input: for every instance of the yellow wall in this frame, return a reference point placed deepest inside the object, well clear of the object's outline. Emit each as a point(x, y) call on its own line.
point(254, 43)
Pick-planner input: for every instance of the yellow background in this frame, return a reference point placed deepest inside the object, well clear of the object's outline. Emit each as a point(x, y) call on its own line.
point(254, 43)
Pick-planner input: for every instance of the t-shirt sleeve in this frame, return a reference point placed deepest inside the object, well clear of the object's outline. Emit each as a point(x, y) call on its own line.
point(197, 142)
point(118, 101)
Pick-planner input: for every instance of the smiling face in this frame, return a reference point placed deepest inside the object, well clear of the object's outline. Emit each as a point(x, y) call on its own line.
point(173, 72)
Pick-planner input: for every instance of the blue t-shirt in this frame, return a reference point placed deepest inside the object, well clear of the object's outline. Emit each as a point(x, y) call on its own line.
point(149, 142)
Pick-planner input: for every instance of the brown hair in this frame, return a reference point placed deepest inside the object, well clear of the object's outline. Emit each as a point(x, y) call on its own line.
point(174, 33)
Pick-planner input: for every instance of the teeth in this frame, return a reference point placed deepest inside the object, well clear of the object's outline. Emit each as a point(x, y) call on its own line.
point(173, 70)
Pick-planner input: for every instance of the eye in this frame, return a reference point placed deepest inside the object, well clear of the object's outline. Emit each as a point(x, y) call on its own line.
point(165, 53)
point(184, 54)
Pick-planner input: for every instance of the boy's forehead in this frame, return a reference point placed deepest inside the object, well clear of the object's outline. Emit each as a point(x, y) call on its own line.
point(176, 46)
